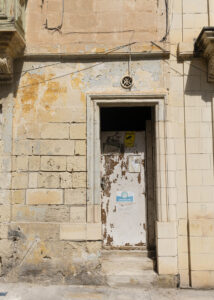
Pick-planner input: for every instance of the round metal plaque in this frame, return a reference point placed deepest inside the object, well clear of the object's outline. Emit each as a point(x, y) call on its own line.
point(127, 82)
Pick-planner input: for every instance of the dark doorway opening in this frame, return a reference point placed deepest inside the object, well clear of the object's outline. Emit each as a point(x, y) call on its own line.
point(124, 118)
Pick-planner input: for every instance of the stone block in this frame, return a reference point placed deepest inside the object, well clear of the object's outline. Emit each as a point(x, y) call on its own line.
point(22, 163)
point(76, 163)
point(31, 231)
point(93, 213)
point(66, 180)
point(40, 213)
point(201, 194)
point(78, 131)
point(167, 247)
point(6, 249)
point(183, 261)
point(32, 130)
point(44, 196)
point(5, 213)
point(200, 245)
point(22, 147)
point(80, 147)
point(65, 114)
point(182, 244)
point(166, 230)
point(171, 162)
point(182, 210)
point(74, 232)
point(171, 183)
point(172, 195)
point(206, 114)
point(75, 196)
point(180, 178)
point(34, 163)
point(184, 278)
point(53, 163)
point(97, 213)
point(5, 180)
point(5, 163)
point(48, 180)
point(54, 147)
point(195, 7)
point(33, 180)
point(203, 227)
point(18, 196)
point(199, 162)
point(172, 212)
point(167, 265)
point(55, 131)
point(78, 214)
point(3, 231)
point(94, 232)
point(201, 262)
point(19, 180)
point(195, 177)
point(180, 162)
point(207, 177)
point(179, 146)
point(201, 210)
point(79, 179)
point(193, 20)
point(206, 129)
point(5, 197)
point(182, 227)
point(193, 114)
point(202, 279)
point(90, 213)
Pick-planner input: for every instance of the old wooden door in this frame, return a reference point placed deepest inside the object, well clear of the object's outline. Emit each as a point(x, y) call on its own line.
point(123, 188)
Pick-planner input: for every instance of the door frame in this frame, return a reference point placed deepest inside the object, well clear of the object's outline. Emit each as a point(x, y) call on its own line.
point(94, 103)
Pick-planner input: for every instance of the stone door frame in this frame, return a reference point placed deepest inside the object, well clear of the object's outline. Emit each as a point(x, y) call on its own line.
point(166, 230)
point(94, 102)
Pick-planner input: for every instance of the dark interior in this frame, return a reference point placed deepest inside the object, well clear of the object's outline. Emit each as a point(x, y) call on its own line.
point(124, 118)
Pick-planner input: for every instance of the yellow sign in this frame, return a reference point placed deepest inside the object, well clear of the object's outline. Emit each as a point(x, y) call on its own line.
point(129, 139)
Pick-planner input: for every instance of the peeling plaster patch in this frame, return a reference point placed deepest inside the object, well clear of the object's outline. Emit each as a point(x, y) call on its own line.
point(154, 68)
point(108, 75)
point(102, 75)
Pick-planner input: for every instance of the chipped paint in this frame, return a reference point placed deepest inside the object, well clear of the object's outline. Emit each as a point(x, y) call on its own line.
point(139, 178)
point(117, 178)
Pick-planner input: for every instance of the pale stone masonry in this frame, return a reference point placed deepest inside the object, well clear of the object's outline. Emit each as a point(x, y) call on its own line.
point(68, 63)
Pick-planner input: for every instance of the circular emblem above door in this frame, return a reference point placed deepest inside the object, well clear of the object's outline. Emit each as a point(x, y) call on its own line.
point(127, 82)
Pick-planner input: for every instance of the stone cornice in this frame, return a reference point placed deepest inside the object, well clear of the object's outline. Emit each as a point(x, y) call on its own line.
point(12, 45)
point(138, 50)
point(12, 41)
point(204, 46)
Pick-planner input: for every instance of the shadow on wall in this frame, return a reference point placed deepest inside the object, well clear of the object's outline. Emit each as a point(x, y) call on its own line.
point(18, 73)
point(196, 83)
point(199, 96)
point(7, 88)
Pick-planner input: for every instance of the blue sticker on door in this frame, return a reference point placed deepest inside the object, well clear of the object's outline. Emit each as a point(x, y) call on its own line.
point(125, 197)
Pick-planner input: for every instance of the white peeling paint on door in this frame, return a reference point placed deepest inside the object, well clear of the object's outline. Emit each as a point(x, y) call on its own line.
point(123, 188)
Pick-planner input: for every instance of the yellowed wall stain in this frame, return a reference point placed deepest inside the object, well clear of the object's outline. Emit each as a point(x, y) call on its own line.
point(30, 91)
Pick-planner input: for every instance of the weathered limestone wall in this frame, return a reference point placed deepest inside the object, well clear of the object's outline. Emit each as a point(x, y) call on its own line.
point(6, 115)
point(48, 234)
point(92, 25)
point(190, 129)
point(46, 230)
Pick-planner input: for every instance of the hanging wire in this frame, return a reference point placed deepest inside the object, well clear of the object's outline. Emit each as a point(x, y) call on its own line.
point(167, 22)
